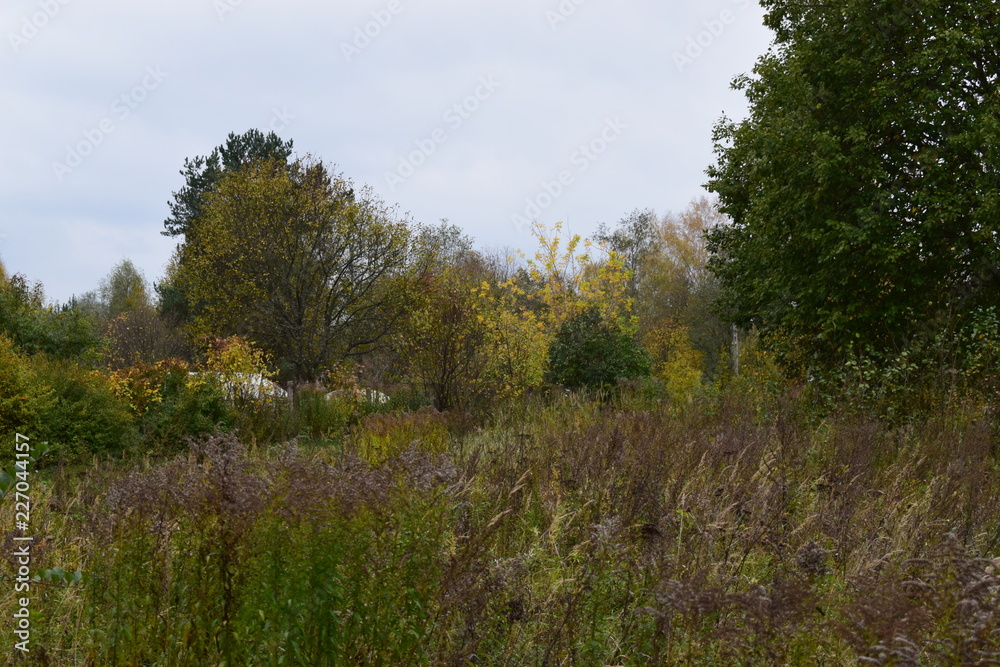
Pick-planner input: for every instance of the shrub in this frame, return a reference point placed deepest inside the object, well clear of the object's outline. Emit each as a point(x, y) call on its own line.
point(591, 352)
point(16, 401)
point(65, 332)
point(675, 361)
point(83, 415)
point(58, 401)
point(169, 404)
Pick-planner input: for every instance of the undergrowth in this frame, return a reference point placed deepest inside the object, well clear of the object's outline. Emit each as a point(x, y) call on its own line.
point(570, 531)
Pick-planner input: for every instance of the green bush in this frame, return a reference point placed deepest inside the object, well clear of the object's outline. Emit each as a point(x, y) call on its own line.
point(78, 410)
point(590, 352)
point(65, 332)
point(58, 401)
point(15, 402)
point(947, 365)
point(185, 409)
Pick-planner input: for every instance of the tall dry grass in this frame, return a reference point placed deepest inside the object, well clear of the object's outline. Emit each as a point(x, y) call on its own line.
point(570, 531)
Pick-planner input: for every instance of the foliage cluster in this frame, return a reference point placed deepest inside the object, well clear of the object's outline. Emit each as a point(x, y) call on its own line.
point(862, 187)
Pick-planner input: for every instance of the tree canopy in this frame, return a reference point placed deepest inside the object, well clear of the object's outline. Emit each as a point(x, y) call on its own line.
point(124, 290)
point(201, 173)
point(36, 326)
point(864, 187)
point(289, 257)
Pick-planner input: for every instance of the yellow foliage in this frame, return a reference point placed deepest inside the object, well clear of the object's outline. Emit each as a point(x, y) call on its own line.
point(381, 437)
point(228, 356)
point(675, 361)
point(297, 259)
point(141, 386)
point(466, 340)
point(518, 350)
point(569, 280)
point(233, 361)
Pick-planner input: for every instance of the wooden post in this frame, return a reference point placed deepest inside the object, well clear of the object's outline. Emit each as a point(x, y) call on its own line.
point(736, 351)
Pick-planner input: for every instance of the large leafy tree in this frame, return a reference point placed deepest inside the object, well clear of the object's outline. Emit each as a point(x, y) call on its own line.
point(636, 240)
point(124, 290)
point(864, 187)
point(291, 258)
point(201, 174)
point(444, 340)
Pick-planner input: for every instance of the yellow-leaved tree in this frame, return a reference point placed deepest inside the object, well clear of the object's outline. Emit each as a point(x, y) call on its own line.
point(464, 341)
point(566, 281)
point(564, 278)
point(293, 258)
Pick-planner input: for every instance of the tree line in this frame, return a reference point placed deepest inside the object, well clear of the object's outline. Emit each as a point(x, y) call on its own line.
point(322, 277)
point(854, 238)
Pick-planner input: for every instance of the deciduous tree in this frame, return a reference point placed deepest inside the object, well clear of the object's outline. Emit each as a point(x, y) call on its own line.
point(289, 257)
point(864, 187)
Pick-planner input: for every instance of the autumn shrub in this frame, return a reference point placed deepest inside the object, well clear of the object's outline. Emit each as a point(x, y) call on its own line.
point(257, 410)
point(74, 409)
point(17, 394)
point(445, 341)
point(169, 404)
point(467, 345)
point(142, 387)
point(675, 362)
point(83, 415)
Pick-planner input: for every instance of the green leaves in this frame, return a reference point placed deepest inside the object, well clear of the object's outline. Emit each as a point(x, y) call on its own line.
point(58, 575)
point(862, 187)
point(591, 352)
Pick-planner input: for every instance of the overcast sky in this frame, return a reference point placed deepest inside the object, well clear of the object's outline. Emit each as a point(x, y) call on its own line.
point(488, 114)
